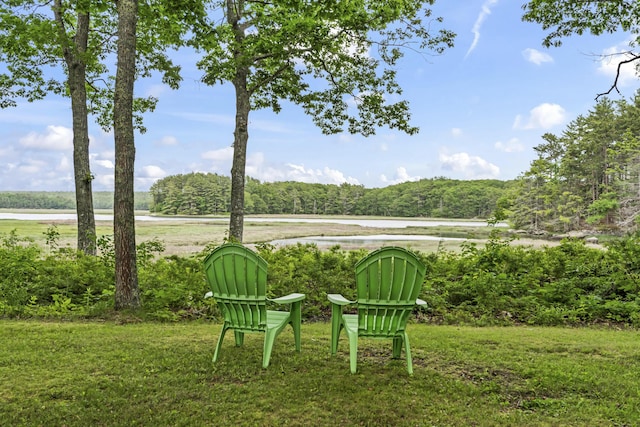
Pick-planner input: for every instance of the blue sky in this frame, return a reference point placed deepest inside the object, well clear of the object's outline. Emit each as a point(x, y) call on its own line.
point(481, 108)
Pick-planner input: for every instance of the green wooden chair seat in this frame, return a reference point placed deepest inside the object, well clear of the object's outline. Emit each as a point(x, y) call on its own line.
point(388, 282)
point(238, 280)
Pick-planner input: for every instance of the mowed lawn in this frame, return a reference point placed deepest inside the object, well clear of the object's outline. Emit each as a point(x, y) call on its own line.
point(152, 374)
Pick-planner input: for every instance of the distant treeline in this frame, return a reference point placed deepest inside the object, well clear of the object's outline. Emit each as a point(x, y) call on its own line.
point(63, 200)
point(203, 194)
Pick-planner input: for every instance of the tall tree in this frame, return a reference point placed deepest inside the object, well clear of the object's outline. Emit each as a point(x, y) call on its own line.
point(79, 35)
point(127, 293)
point(74, 54)
point(40, 38)
point(137, 56)
point(566, 18)
point(317, 55)
point(31, 42)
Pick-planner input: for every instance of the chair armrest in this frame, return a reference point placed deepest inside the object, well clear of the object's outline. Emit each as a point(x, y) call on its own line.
point(288, 299)
point(208, 295)
point(421, 302)
point(338, 299)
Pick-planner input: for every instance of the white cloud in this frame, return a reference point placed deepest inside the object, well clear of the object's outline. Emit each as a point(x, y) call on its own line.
point(544, 116)
point(536, 57)
point(58, 138)
point(219, 155)
point(32, 166)
point(511, 146)
point(105, 181)
point(456, 132)
point(258, 168)
point(64, 165)
point(168, 140)
point(611, 57)
point(156, 90)
point(148, 175)
point(470, 167)
point(107, 164)
point(103, 167)
point(7, 151)
point(486, 11)
point(152, 171)
point(400, 176)
point(325, 175)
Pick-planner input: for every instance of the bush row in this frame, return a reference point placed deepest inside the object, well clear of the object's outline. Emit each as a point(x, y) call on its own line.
point(499, 283)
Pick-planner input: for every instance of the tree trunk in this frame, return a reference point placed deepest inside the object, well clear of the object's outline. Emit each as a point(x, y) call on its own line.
point(76, 79)
point(127, 294)
point(240, 138)
point(241, 134)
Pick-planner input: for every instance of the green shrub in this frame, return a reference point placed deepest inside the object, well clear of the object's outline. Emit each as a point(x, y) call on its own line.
point(173, 288)
point(570, 284)
point(307, 269)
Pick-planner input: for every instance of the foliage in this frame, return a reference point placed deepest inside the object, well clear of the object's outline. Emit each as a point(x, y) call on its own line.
point(586, 178)
point(500, 283)
point(565, 19)
point(304, 268)
point(173, 288)
point(206, 194)
point(34, 42)
point(63, 200)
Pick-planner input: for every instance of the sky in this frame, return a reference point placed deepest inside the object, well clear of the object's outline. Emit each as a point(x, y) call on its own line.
point(481, 107)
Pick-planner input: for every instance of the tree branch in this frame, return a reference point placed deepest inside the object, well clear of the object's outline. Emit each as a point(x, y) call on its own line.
point(634, 57)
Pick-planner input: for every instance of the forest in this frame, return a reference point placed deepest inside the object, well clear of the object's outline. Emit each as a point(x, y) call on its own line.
point(588, 177)
point(203, 194)
point(209, 194)
point(63, 200)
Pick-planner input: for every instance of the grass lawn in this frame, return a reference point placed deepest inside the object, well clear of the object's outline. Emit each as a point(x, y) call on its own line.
point(114, 373)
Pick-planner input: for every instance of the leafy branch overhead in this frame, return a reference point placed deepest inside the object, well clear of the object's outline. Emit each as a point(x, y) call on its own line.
point(40, 41)
point(335, 59)
point(567, 18)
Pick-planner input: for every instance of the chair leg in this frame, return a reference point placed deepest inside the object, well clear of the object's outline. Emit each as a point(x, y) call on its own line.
point(407, 350)
point(353, 352)
point(239, 338)
point(219, 345)
point(336, 327)
point(296, 320)
point(397, 347)
point(269, 339)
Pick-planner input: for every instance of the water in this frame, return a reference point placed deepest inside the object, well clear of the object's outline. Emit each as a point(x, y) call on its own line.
point(373, 223)
point(358, 240)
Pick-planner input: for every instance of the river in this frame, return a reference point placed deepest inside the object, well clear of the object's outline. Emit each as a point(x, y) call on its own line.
point(373, 223)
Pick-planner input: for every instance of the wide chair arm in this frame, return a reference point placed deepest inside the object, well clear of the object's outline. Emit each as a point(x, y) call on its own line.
point(339, 299)
point(288, 299)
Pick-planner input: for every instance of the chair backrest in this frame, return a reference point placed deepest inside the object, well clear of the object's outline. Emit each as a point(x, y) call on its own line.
point(238, 279)
point(388, 282)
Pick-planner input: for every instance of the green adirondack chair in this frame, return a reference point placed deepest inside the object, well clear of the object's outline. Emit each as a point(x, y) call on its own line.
point(388, 282)
point(238, 280)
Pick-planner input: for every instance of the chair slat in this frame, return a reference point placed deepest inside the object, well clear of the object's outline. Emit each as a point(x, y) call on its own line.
point(388, 282)
point(238, 280)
